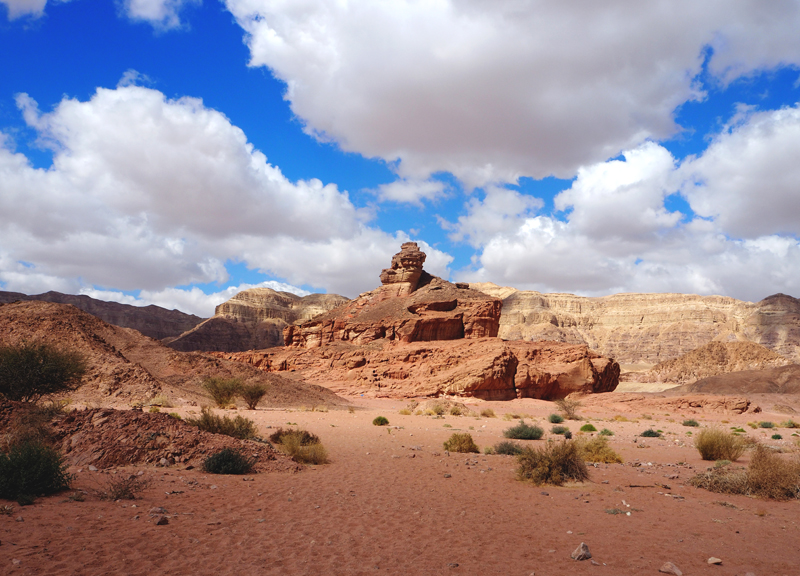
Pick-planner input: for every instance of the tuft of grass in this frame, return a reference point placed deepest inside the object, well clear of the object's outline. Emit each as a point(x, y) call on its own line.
point(766, 425)
point(598, 450)
point(32, 469)
point(555, 419)
point(222, 390)
point(252, 394)
point(125, 487)
point(175, 415)
point(302, 446)
point(524, 431)
point(650, 433)
point(561, 430)
point(588, 428)
point(554, 463)
point(154, 409)
point(753, 425)
point(488, 413)
point(461, 442)
point(405, 412)
point(507, 448)
point(437, 409)
point(606, 432)
point(790, 424)
point(716, 444)
point(456, 411)
point(228, 461)
point(380, 421)
point(620, 418)
point(305, 437)
point(691, 423)
point(239, 427)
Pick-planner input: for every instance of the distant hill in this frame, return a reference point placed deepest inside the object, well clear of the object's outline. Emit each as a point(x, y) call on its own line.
point(780, 380)
point(153, 321)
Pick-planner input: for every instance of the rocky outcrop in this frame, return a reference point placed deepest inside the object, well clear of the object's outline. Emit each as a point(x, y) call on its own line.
point(411, 306)
point(253, 319)
point(780, 380)
point(487, 368)
point(710, 360)
point(153, 321)
point(648, 328)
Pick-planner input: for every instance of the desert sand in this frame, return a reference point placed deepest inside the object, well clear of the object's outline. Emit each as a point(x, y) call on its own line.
point(391, 501)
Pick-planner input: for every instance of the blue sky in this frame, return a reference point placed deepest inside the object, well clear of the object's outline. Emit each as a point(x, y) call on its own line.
point(174, 152)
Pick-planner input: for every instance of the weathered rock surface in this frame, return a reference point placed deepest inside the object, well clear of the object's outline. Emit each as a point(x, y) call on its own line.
point(668, 401)
point(153, 321)
point(125, 367)
point(253, 319)
point(710, 360)
point(408, 307)
point(487, 368)
point(648, 328)
point(781, 380)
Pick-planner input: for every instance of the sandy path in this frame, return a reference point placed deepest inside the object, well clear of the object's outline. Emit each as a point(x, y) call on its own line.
point(384, 506)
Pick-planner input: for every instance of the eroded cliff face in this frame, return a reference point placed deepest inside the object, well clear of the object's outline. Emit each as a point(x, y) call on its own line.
point(648, 328)
point(253, 319)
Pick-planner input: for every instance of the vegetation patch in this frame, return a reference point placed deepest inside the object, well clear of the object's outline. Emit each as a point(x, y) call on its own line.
point(252, 394)
point(228, 461)
point(766, 425)
point(588, 428)
point(32, 469)
point(650, 433)
point(30, 371)
point(598, 450)
point(524, 431)
point(380, 421)
point(555, 419)
point(716, 444)
point(507, 448)
point(560, 430)
point(302, 446)
point(222, 390)
point(488, 413)
point(554, 463)
point(125, 486)
point(776, 437)
point(606, 432)
point(461, 442)
point(238, 427)
point(691, 423)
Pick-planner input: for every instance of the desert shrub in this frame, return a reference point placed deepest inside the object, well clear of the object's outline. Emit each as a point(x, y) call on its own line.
point(380, 421)
point(32, 469)
point(790, 424)
point(561, 430)
point(555, 419)
point(606, 432)
point(766, 425)
point(222, 390)
point(598, 450)
point(569, 408)
point(776, 437)
point(524, 431)
point(31, 424)
point(238, 427)
point(507, 448)
point(175, 415)
point(252, 394)
point(305, 437)
point(437, 409)
point(461, 442)
point(30, 371)
point(161, 401)
point(716, 444)
point(554, 463)
point(650, 433)
point(620, 418)
point(488, 413)
point(405, 412)
point(228, 461)
point(302, 446)
point(568, 435)
point(588, 428)
point(691, 423)
point(154, 410)
point(456, 411)
point(125, 487)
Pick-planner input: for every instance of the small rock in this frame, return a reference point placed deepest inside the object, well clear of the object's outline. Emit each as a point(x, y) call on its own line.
point(670, 568)
point(164, 462)
point(453, 565)
point(158, 510)
point(20, 519)
point(749, 574)
point(92, 468)
point(545, 494)
point(448, 476)
point(15, 562)
point(714, 560)
point(595, 563)
point(161, 520)
point(581, 553)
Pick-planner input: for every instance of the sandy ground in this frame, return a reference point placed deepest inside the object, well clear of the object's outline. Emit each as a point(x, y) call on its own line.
point(385, 505)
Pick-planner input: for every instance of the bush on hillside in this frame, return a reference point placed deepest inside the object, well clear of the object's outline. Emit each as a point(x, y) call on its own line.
point(30, 371)
point(238, 427)
point(222, 390)
point(252, 394)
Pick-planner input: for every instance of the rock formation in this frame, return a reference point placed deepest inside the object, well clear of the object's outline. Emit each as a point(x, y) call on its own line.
point(125, 367)
point(253, 319)
point(410, 306)
point(648, 328)
point(780, 380)
point(153, 321)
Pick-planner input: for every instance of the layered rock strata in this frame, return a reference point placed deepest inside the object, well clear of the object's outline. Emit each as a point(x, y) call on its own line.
point(253, 319)
point(648, 328)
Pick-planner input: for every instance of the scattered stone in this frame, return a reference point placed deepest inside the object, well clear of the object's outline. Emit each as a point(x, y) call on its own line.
point(453, 565)
point(581, 553)
point(670, 568)
point(157, 510)
point(448, 476)
point(15, 562)
point(545, 494)
point(595, 563)
point(164, 462)
point(161, 520)
point(20, 519)
point(714, 560)
point(92, 468)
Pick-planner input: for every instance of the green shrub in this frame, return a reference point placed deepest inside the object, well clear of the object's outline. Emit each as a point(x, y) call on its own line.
point(790, 424)
point(380, 421)
point(32, 469)
point(488, 413)
point(507, 448)
point(222, 390)
point(228, 461)
point(561, 430)
point(691, 423)
point(766, 425)
point(252, 394)
point(716, 444)
point(30, 371)
point(588, 428)
point(239, 427)
point(606, 432)
point(523, 431)
point(650, 433)
point(554, 463)
point(777, 437)
point(598, 450)
point(461, 442)
point(456, 411)
point(175, 415)
point(555, 419)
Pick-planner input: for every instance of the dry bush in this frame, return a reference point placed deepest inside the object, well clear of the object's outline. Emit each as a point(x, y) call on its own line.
point(456, 410)
point(125, 487)
point(555, 463)
point(598, 450)
point(507, 448)
point(716, 444)
point(405, 412)
point(302, 446)
point(488, 413)
point(252, 394)
point(569, 407)
point(461, 442)
point(222, 390)
point(239, 427)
